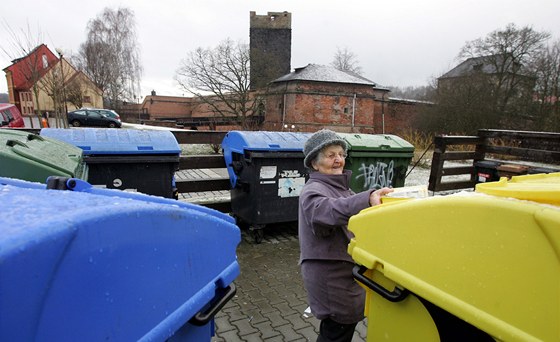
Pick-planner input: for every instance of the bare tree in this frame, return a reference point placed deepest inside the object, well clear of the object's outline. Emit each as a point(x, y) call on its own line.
point(52, 84)
point(547, 90)
point(509, 52)
point(110, 56)
point(219, 77)
point(22, 44)
point(346, 60)
point(74, 92)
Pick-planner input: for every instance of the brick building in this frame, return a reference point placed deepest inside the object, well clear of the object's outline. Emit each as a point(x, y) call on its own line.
point(317, 96)
point(308, 99)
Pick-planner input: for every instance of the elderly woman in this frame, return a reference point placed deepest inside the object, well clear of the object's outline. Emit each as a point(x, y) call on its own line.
point(325, 206)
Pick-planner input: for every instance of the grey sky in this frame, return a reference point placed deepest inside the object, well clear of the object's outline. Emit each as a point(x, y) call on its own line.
point(397, 43)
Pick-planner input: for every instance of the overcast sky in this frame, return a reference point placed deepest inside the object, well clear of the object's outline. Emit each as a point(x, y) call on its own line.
point(397, 42)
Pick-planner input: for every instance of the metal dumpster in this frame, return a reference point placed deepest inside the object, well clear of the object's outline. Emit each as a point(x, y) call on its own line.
point(99, 264)
point(126, 159)
point(31, 157)
point(267, 174)
point(479, 266)
point(377, 160)
point(486, 170)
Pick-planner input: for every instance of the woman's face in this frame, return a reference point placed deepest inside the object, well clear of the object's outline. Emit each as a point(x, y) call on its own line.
point(330, 160)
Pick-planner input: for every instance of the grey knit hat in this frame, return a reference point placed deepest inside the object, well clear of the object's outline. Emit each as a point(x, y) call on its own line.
point(317, 141)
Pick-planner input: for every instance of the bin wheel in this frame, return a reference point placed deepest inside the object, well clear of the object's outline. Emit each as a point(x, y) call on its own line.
point(258, 233)
point(240, 223)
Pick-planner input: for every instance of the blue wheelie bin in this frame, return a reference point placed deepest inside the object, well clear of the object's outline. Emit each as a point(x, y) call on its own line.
point(79, 263)
point(267, 175)
point(126, 159)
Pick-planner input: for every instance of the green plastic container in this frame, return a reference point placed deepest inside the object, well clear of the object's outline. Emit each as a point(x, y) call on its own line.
point(33, 158)
point(377, 160)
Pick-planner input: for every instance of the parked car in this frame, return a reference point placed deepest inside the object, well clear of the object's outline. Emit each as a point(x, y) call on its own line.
point(93, 117)
point(10, 117)
point(109, 112)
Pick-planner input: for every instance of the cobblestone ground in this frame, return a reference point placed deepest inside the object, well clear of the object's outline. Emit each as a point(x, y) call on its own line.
point(270, 300)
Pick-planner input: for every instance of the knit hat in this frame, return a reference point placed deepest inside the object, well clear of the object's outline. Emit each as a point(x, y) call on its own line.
point(317, 141)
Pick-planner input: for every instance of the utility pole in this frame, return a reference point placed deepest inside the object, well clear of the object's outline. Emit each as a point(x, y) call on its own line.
point(61, 60)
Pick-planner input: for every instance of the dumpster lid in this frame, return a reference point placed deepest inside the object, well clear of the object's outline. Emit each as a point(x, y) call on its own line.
point(376, 142)
point(52, 153)
point(542, 188)
point(66, 252)
point(240, 141)
point(117, 140)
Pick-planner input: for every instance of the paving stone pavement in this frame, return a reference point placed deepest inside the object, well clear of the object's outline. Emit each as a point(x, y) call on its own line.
point(270, 300)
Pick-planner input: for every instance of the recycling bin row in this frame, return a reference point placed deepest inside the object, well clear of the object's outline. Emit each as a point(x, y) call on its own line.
point(133, 160)
point(267, 173)
point(83, 263)
point(265, 168)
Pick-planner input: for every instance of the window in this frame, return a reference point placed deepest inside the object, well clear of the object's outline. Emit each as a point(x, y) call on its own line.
point(45, 61)
point(87, 99)
point(8, 115)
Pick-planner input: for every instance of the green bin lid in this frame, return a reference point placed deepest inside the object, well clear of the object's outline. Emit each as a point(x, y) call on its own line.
point(32, 157)
point(376, 142)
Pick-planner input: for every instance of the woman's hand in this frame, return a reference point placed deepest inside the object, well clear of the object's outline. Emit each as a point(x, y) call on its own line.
point(375, 196)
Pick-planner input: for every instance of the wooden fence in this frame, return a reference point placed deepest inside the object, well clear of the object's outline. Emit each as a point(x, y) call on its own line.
point(515, 147)
point(193, 162)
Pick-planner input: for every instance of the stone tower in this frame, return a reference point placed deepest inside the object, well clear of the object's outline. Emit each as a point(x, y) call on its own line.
point(271, 46)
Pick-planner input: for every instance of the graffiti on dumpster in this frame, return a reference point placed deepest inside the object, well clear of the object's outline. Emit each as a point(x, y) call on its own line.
point(290, 183)
point(376, 175)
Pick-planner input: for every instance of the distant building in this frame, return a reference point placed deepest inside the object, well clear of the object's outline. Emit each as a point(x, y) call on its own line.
point(317, 96)
point(270, 42)
point(41, 68)
point(490, 68)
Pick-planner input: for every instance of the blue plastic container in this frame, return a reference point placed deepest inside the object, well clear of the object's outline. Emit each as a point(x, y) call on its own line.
point(249, 142)
point(97, 264)
point(267, 175)
point(126, 159)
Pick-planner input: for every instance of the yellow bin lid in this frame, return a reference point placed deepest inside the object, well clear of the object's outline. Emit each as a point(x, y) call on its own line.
point(494, 262)
point(542, 188)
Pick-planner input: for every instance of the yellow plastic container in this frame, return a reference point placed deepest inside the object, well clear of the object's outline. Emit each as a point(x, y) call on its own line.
point(543, 188)
point(487, 264)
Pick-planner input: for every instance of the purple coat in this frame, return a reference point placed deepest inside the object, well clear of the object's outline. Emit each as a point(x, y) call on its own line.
point(325, 206)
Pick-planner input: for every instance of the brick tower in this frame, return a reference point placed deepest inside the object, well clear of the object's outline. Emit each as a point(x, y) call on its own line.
point(271, 46)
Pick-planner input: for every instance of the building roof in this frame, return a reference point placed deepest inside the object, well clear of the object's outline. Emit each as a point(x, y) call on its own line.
point(32, 62)
point(483, 64)
point(322, 73)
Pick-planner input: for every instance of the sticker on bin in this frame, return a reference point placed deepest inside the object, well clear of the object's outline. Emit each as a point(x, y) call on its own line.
point(290, 187)
point(406, 192)
point(268, 172)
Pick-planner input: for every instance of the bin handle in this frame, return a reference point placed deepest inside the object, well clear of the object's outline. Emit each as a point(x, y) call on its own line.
point(12, 143)
point(201, 318)
point(394, 296)
point(35, 137)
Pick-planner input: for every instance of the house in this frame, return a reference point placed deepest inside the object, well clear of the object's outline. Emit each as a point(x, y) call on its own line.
point(493, 68)
point(317, 96)
point(35, 83)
